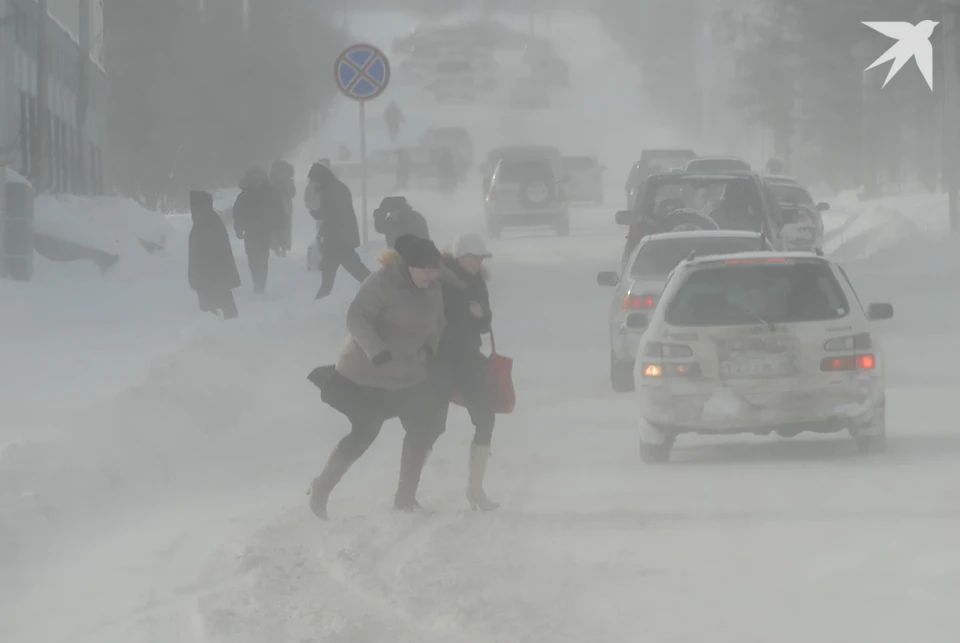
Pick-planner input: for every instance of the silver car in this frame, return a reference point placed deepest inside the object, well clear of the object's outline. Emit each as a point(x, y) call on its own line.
point(644, 275)
point(526, 192)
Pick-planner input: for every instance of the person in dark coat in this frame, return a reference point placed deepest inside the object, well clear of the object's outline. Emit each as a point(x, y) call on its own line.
point(394, 323)
point(211, 268)
point(460, 366)
point(395, 217)
point(281, 174)
point(257, 214)
point(330, 202)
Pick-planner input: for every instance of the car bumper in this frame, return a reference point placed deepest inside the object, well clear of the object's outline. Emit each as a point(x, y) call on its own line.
point(709, 408)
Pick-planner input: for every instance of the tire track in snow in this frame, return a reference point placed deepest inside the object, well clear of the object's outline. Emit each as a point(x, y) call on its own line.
point(333, 561)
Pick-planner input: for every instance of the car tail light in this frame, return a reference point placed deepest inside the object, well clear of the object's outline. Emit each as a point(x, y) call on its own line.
point(561, 194)
point(658, 361)
point(859, 354)
point(639, 302)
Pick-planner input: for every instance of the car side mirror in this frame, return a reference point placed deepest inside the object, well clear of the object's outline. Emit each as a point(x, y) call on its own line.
point(879, 312)
point(637, 321)
point(626, 217)
point(608, 279)
point(823, 206)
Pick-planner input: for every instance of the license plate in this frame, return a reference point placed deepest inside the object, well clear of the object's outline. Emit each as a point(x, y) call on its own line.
point(757, 358)
point(755, 367)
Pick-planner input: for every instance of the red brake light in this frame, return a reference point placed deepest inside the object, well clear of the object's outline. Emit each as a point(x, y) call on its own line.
point(639, 302)
point(763, 260)
point(864, 362)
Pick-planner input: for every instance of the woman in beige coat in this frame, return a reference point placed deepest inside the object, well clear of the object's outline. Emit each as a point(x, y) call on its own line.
point(394, 324)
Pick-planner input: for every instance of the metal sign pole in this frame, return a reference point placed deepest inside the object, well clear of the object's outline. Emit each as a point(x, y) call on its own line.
point(362, 72)
point(363, 168)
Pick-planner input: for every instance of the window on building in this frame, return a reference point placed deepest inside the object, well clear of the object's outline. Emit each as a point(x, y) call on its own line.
point(24, 134)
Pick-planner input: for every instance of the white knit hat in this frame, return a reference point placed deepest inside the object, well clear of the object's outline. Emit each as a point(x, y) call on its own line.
point(470, 244)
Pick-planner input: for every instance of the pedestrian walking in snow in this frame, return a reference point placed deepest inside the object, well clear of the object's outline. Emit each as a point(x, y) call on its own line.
point(395, 217)
point(394, 325)
point(460, 368)
point(330, 202)
point(257, 214)
point(211, 268)
point(282, 176)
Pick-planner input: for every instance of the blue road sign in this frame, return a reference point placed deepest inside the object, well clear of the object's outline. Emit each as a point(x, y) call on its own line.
point(362, 72)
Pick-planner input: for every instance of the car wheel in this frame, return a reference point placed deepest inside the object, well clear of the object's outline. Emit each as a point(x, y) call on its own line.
point(563, 227)
point(494, 228)
point(621, 375)
point(655, 453)
point(875, 441)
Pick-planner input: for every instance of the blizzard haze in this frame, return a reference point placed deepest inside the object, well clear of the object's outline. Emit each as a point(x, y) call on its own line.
point(153, 458)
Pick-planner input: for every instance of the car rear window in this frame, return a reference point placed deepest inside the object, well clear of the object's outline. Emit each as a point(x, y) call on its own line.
point(659, 257)
point(521, 171)
point(578, 163)
point(786, 193)
point(717, 164)
point(742, 294)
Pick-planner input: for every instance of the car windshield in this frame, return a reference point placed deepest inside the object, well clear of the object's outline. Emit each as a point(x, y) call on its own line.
point(578, 163)
point(523, 170)
point(659, 257)
point(752, 293)
point(789, 193)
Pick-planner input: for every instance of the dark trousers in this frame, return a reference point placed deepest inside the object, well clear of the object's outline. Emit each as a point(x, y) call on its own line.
point(218, 301)
point(468, 378)
point(258, 257)
point(368, 408)
point(331, 260)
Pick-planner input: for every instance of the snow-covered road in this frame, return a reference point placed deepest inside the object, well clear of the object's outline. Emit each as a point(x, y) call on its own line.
point(739, 539)
point(172, 510)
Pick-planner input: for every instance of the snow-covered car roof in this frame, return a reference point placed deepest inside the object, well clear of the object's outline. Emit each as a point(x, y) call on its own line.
point(704, 234)
point(755, 257)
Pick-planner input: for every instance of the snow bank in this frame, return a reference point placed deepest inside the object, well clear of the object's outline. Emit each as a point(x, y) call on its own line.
point(112, 224)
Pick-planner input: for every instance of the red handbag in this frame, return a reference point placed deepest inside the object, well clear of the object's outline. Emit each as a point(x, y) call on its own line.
point(499, 379)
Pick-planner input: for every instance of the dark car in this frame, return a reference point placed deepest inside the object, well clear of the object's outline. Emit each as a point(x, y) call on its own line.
point(655, 162)
point(678, 201)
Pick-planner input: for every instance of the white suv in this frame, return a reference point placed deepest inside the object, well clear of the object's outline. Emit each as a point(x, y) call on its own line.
point(759, 343)
point(526, 192)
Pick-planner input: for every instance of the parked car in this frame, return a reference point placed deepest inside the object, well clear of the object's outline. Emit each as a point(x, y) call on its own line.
point(641, 280)
point(552, 154)
point(551, 70)
point(759, 343)
point(584, 178)
point(654, 162)
point(526, 192)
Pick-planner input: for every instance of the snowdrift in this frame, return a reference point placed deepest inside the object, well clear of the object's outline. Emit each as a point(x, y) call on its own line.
point(102, 230)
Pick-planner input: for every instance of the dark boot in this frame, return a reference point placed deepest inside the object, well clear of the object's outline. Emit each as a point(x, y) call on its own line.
point(412, 461)
point(322, 485)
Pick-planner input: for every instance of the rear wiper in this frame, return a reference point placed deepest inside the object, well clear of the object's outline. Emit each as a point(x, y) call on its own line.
point(756, 317)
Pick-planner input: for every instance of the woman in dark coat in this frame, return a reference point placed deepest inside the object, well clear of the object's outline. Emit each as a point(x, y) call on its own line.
point(394, 325)
point(395, 218)
point(211, 268)
point(460, 366)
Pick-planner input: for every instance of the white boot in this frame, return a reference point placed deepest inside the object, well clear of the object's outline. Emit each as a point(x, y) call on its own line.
point(479, 455)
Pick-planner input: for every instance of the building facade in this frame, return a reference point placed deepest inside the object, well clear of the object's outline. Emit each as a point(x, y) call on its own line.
point(73, 153)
